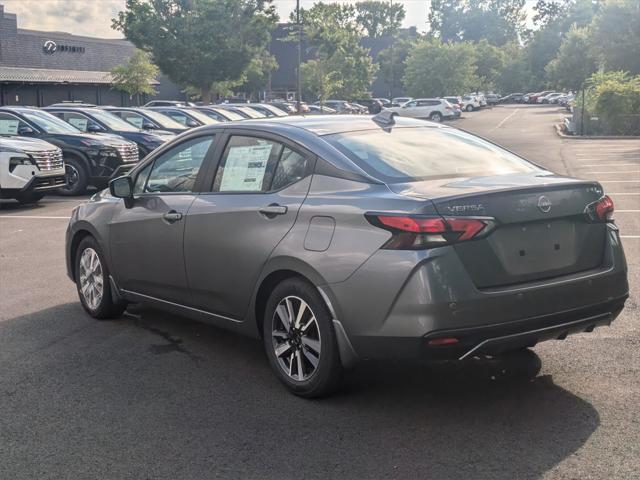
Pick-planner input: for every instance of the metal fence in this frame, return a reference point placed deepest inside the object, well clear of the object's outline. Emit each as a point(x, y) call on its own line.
point(588, 124)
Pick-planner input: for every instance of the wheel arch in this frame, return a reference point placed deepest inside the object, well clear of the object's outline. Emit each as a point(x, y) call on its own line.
point(275, 272)
point(80, 232)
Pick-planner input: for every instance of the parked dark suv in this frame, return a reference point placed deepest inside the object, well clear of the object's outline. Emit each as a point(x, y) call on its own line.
point(89, 159)
point(96, 120)
point(147, 119)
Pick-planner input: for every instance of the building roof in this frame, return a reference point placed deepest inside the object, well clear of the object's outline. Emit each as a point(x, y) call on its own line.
point(40, 75)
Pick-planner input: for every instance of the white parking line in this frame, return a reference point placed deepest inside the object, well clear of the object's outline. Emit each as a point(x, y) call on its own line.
point(629, 236)
point(627, 211)
point(613, 171)
point(35, 217)
point(625, 193)
point(619, 181)
point(504, 120)
point(610, 165)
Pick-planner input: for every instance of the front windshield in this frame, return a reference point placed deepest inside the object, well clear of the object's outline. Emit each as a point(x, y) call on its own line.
point(163, 120)
point(49, 123)
point(420, 153)
point(111, 121)
point(201, 117)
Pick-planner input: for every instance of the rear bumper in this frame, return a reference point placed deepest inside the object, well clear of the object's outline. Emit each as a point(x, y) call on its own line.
point(397, 301)
point(492, 339)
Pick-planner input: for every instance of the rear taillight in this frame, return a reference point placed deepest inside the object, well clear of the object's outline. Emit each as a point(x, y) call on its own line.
point(601, 211)
point(415, 232)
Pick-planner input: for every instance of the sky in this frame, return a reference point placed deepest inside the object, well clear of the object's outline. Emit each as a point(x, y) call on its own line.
point(93, 17)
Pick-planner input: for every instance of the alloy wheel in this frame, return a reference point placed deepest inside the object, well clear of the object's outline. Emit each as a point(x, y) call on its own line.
point(295, 338)
point(91, 278)
point(72, 176)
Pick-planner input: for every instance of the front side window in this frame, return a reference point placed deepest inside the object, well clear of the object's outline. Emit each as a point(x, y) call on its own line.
point(132, 118)
point(421, 153)
point(251, 164)
point(47, 122)
point(177, 169)
point(77, 120)
point(9, 125)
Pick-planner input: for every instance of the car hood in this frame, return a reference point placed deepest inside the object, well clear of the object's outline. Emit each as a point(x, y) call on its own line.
point(25, 143)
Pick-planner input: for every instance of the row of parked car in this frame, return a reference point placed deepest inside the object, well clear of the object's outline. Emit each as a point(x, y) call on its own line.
point(544, 97)
point(70, 146)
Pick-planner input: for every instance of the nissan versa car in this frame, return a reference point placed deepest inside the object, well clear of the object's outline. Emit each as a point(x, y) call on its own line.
point(341, 238)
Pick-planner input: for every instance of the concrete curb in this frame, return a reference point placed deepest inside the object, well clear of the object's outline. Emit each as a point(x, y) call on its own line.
point(560, 133)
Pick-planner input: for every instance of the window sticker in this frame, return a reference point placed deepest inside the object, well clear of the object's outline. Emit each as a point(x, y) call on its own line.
point(9, 126)
point(135, 120)
point(245, 168)
point(79, 122)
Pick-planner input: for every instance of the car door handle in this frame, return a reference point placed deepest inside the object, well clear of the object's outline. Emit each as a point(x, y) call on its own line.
point(272, 210)
point(172, 216)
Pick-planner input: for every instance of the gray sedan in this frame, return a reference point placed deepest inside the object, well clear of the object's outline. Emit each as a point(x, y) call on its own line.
point(342, 238)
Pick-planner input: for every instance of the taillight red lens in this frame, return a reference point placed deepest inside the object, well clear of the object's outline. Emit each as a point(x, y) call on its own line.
point(604, 209)
point(469, 227)
point(414, 224)
point(412, 232)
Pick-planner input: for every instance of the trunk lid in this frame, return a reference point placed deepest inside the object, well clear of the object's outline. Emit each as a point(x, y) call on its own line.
point(542, 229)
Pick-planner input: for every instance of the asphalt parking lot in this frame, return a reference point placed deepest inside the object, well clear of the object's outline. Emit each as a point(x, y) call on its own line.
point(153, 396)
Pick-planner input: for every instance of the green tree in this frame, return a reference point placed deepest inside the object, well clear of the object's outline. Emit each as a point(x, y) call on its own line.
point(256, 76)
point(614, 97)
point(616, 35)
point(333, 37)
point(574, 62)
point(392, 62)
point(135, 76)
point(436, 69)
point(555, 25)
point(489, 64)
point(515, 75)
point(320, 82)
point(199, 42)
point(497, 21)
point(379, 18)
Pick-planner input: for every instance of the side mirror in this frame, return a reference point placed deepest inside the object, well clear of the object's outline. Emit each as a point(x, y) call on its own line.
point(148, 125)
point(94, 128)
point(192, 123)
point(122, 187)
point(26, 130)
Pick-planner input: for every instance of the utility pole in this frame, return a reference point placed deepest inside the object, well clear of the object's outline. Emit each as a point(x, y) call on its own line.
point(393, 73)
point(298, 89)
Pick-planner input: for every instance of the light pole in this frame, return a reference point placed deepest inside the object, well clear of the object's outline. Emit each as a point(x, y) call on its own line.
point(298, 89)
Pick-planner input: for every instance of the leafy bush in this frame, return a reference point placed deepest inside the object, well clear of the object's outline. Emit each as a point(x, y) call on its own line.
point(614, 97)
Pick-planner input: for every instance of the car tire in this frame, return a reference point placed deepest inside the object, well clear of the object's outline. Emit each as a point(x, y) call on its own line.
point(303, 353)
point(26, 198)
point(92, 281)
point(435, 117)
point(469, 108)
point(76, 176)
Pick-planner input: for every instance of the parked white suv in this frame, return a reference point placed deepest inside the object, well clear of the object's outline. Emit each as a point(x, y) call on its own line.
point(470, 103)
point(434, 109)
point(29, 168)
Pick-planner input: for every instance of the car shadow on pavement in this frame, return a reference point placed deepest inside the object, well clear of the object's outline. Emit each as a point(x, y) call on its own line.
point(152, 395)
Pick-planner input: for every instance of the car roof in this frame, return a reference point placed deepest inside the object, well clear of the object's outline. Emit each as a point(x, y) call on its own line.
point(322, 124)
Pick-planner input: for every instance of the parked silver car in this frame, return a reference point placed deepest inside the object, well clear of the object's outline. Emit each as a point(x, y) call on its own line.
point(340, 238)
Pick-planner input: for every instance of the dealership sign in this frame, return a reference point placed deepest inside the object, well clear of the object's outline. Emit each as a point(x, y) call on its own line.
point(50, 47)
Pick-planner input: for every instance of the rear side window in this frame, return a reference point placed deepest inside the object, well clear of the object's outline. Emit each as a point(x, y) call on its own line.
point(252, 164)
point(421, 153)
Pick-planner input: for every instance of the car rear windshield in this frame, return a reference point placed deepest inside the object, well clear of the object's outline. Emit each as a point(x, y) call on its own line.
point(408, 154)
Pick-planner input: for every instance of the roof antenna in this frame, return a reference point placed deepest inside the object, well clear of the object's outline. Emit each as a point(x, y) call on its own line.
point(385, 118)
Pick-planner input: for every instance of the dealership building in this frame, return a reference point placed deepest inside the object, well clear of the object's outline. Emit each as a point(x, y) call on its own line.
point(39, 68)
